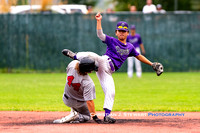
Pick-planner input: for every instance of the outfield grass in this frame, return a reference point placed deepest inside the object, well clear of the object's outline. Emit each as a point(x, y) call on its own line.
point(43, 92)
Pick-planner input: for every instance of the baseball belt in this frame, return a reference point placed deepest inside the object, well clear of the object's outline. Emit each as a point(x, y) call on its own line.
point(65, 96)
point(112, 67)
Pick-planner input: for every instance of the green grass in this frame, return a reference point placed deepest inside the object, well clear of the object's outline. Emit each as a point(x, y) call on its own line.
point(43, 92)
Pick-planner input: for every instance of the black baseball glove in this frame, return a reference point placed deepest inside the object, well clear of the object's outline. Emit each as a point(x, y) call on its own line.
point(158, 67)
point(96, 119)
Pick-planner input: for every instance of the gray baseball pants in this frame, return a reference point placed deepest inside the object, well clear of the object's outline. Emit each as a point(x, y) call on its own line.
point(78, 106)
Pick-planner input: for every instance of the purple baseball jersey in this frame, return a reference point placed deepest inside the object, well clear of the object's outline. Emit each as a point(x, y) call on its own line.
point(118, 52)
point(135, 40)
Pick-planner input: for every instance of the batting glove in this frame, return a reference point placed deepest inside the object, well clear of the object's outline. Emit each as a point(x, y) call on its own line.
point(96, 119)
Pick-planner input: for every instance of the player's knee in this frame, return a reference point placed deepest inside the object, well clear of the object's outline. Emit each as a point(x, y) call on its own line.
point(112, 94)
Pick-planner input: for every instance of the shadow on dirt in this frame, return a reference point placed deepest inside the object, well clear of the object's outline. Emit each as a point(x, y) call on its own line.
point(178, 123)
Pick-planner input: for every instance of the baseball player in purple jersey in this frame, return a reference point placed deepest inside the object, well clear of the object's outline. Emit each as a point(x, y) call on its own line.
point(79, 92)
point(136, 41)
point(118, 50)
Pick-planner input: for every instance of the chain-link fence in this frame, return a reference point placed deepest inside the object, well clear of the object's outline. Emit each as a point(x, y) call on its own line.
point(35, 41)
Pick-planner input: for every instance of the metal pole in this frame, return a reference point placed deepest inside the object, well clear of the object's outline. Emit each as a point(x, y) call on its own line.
point(175, 5)
point(29, 3)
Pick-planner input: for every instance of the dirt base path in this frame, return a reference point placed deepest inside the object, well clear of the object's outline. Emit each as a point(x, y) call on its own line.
point(127, 122)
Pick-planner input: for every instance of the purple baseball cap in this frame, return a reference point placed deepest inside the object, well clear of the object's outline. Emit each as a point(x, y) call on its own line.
point(121, 25)
point(132, 27)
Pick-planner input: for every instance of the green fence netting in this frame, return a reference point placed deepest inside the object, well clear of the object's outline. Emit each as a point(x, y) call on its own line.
point(35, 41)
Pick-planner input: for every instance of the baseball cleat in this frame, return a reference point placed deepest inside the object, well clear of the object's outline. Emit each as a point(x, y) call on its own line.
point(75, 122)
point(68, 53)
point(78, 120)
point(72, 116)
point(108, 119)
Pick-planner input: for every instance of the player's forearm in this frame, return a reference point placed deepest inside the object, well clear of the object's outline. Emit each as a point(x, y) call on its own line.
point(99, 27)
point(100, 33)
point(144, 60)
point(91, 107)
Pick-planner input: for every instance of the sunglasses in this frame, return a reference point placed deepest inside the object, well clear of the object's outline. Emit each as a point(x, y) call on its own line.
point(122, 27)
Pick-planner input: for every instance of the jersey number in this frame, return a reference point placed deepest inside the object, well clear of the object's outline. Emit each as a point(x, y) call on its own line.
point(76, 86)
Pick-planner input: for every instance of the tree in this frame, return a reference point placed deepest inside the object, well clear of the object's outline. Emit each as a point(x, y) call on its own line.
point(168, 5)
point(22, 2)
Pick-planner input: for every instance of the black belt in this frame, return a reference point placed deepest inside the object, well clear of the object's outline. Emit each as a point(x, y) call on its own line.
point(65, 96)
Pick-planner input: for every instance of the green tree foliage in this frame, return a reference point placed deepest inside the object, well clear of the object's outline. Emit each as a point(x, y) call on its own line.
point(168, 5)
point(22, 2)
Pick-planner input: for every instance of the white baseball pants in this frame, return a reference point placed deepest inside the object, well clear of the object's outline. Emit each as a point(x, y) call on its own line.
point(104, 75)
point(138, 67)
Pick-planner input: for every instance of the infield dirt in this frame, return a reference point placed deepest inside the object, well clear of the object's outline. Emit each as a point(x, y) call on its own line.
point(127, 122)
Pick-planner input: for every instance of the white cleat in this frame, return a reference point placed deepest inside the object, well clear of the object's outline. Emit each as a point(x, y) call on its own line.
point(72, 116)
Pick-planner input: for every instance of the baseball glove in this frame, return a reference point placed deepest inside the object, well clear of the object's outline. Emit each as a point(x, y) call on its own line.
point(158, 67)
